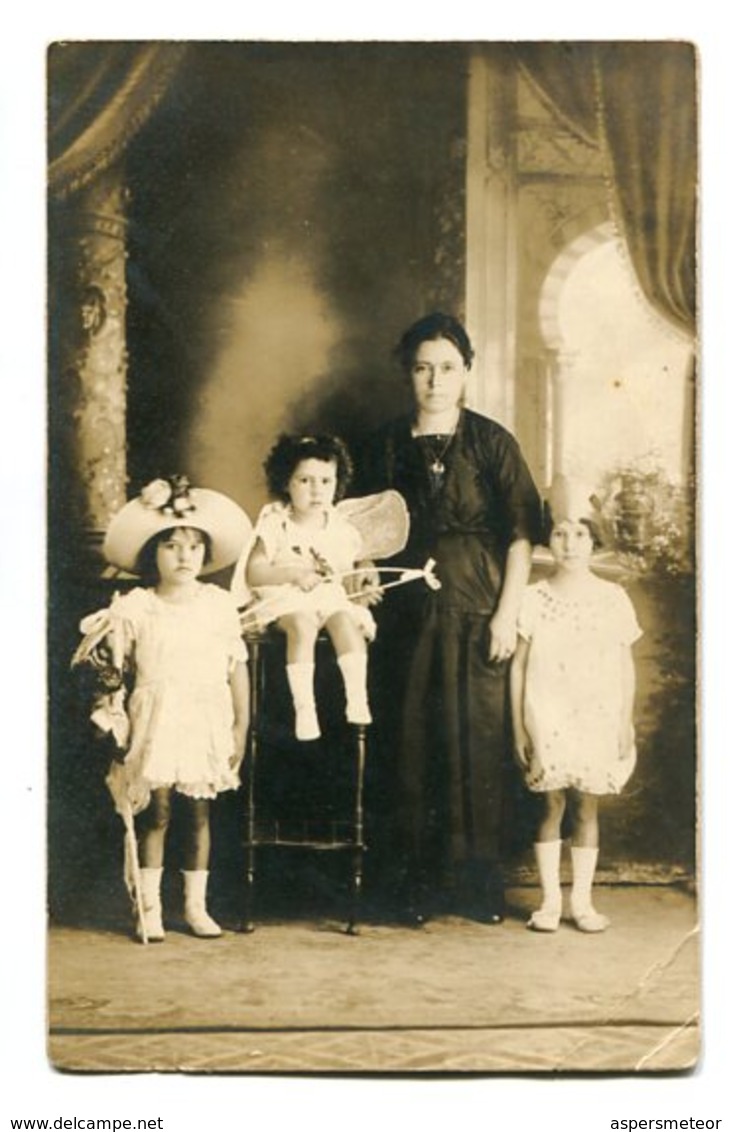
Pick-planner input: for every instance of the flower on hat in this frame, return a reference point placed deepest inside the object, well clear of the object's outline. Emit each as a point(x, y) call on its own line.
point(171, 496)
point(156, 494)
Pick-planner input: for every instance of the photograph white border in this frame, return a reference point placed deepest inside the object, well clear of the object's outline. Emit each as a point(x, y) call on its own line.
point(32, 1088)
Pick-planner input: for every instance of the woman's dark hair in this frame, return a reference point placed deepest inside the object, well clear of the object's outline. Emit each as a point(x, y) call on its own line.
point(289, 451)
point(428, 329)
point(146, 565)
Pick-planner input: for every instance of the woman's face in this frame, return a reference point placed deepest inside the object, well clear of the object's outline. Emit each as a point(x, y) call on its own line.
point(179, 558)
point(438, 374)
point(312, 487)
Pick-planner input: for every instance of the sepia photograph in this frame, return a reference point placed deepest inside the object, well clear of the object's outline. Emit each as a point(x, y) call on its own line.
point(372, 521)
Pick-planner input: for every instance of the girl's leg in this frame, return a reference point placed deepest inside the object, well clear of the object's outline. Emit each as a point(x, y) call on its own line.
point(551, 821)
point(154, 826)
point(351, 650)
point(584, 854)
point(547, 851)
point(196, 870)
point(197, 847)
point(301, 632)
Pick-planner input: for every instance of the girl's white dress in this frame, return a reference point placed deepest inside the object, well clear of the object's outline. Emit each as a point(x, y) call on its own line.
point(337, 546)
point(573, 687)
point(180, 708)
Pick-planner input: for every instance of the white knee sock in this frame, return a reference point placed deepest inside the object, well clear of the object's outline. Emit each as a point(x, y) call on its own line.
point(300, 679)
point(547, 855)
point(547, 917)
point(353, 667)
point(584, 866)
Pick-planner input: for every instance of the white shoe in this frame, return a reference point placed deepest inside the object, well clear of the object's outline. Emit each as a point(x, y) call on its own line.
point(194, 912)
point(545, 919)
point(358, 713)
point(201, 924)
point(588, 920)
point(154, 931)
point(150, 912)
point(306, 724)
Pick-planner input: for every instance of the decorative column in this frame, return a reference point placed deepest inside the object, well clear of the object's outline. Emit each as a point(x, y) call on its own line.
point(561, 364)
point(491, 241)
point(88, 366)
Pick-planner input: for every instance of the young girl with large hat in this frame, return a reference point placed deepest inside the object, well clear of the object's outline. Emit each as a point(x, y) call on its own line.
point(175, 643)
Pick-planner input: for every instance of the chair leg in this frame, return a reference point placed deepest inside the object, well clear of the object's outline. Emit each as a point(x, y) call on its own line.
point(357, 875)
point(249, 890)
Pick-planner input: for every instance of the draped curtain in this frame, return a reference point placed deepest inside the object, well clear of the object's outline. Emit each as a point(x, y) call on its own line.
point(99, 95)
point(637, 100)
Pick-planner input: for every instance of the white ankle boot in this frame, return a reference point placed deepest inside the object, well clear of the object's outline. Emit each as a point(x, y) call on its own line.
point(547, 917)
point(194, 910)
point(300, 679)
point(353, 667)
point(584, 914)
point(151, 912)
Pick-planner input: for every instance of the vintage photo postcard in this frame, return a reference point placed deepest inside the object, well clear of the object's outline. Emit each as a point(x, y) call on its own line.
point(372, 633)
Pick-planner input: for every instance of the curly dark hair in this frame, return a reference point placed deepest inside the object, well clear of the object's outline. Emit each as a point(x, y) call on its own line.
point(428, 329)
point(146, 566)
point(289, 451)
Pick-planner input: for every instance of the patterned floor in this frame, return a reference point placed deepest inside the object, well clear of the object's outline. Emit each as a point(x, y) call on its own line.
point(455, 997)
point(606, 1049)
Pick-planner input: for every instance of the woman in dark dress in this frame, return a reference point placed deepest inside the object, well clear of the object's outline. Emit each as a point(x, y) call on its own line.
point(441, 658)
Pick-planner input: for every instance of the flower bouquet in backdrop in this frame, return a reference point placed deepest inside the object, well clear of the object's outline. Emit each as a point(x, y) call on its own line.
point(648, 519)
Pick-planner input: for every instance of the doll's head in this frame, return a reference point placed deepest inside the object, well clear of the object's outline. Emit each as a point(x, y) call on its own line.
point(292, 452)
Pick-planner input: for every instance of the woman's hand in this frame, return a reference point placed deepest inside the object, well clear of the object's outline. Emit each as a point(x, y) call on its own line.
point(367, 579)
point(503, 637)
point(503, 624)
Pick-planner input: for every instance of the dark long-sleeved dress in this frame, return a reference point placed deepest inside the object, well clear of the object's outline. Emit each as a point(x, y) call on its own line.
point(440, 704)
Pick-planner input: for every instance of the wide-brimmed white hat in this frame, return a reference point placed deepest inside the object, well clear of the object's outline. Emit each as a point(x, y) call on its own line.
point(167, 503)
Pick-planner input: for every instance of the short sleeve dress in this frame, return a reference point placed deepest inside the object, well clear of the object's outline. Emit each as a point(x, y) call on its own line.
point(574, 687)
point(180, 708)
point(336, 546)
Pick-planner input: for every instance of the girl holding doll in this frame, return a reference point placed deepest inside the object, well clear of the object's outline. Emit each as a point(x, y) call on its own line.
point(174, 644)
point(572, 692)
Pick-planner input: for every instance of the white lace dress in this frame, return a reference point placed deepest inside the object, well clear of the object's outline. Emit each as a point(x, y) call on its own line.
point(180, 708)
point(574, 687)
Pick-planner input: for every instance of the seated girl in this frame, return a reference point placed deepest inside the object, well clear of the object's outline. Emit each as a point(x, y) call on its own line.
point(301, 547)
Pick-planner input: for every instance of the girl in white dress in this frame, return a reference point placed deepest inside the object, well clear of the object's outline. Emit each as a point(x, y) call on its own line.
point(301, 545)
point(177, 644)
point(572, 691)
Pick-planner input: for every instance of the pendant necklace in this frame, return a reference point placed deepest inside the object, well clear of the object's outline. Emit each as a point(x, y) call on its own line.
point(435, 455)
point(435, 447)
